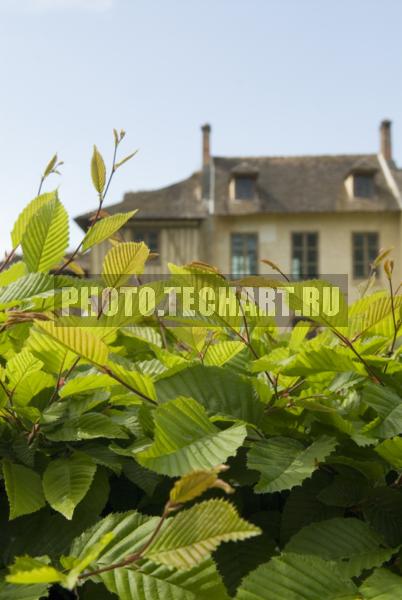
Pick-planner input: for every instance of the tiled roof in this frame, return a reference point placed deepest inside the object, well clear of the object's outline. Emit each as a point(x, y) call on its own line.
point(305, 184)
point(299, 184)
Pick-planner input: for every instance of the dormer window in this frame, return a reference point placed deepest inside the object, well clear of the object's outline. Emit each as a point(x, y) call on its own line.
point(363, 185)
point(244, 187)
point(243, 182)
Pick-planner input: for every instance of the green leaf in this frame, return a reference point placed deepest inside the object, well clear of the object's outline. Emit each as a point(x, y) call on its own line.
point(86, 427)
point(285, 462)
point(25, 217)
point(104, 228)
point(27, 570)
point(383, 510)
point(350, 542)
point(77, 340)
point(13, 273)
point(162, 583)
point(295, 577)
point(24, 489)
point(391, 451)
point(9, 591)
point(221, 353)
point(388, 406)
point(56, 358)
point(24, 288)
point(46, 237)
point(124, 260)
point(186, 440)
point(193, 534)
point(195, 484)
point(91, 555)
point(319, 361)
point(50, 166)
point(220, 392)
point(22, 365)
point(302, 506)
point(235, 560)
point(382, 585)
point(152, 582)
point(125, 159)
point(66, 482)
point(98, 171)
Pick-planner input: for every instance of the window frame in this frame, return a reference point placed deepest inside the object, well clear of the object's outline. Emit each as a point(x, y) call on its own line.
point(253, 180)
point(369, 178)
point(232, 255)
point(368, 257)
point(305, 261)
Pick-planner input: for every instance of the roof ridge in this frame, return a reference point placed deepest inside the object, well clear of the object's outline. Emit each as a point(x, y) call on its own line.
point(295, 156)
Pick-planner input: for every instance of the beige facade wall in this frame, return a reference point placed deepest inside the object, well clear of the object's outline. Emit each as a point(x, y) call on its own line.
point(183, 244)
point(334, 235)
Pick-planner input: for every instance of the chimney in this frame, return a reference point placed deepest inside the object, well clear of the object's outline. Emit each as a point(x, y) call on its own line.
point(206, 152)
point(385, 139)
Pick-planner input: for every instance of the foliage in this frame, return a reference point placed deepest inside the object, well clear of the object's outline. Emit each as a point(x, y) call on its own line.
point(111, 433)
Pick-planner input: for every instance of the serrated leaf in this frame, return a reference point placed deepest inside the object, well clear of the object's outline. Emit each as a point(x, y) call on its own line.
point(56, 358)
point(285, 462)
point(98, 171)
point(382, 585)
point(295, 577)
point(350, 542)
point(24, 288)
point(77, 340)
point(9, 591)
point(154, 582)
point(196, 483)
point(383, 510)
point(186, 440)
point(26, 215)
point(104, 228)
point(45, 239)
point(24, 489)
point(90, 556)
point(27, 570)
point(391, 451)
point(221, 353)
point(193, 534)
point(13, 273)
point(218, 390)
point(319, 361)
point(66, 482)
point(124, 260)
point(86, 427)
point(388, 406)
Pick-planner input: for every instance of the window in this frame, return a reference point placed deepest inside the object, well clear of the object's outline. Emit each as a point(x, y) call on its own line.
point(365, 250)
point(244, 187)
point(363, 186)
point(304, 255)
point(244, 253)
point(150, 238)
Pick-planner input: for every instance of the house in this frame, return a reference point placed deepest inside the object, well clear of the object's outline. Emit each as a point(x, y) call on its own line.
point(312, 215)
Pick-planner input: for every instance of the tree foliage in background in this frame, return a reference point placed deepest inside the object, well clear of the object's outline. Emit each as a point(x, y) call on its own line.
point(142, 460)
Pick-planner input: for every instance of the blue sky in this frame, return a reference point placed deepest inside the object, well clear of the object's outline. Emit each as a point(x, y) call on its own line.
point(273, 77)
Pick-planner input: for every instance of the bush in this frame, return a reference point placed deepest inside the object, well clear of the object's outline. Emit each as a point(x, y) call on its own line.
point(195, 458)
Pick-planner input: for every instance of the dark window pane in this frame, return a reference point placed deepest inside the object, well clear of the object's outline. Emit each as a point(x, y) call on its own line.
point(150, 238)
point(305, 254)
point(365, 250)
point(363, 186)
point(244, 188)
point(244, 253)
